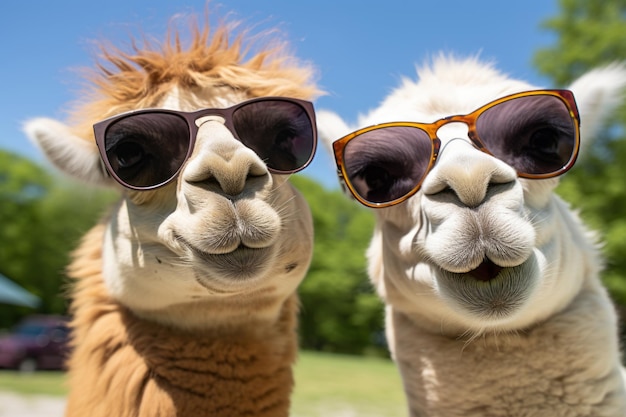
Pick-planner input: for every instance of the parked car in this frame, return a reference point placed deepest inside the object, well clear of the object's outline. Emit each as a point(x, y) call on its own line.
point(37, 342)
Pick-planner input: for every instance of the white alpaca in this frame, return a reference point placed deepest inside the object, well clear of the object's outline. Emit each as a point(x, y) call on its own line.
point(494, 304)
point(184, 297)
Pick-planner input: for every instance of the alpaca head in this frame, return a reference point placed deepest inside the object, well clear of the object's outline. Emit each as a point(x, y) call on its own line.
point(482, 243)
point(207, 217)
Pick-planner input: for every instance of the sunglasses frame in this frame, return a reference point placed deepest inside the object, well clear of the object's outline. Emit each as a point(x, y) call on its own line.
point(431, 129)
point(100, 130)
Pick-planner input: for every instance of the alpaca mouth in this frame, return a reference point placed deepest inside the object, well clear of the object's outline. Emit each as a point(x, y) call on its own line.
point(490, 291)
point(241, 264)
point(486, 271)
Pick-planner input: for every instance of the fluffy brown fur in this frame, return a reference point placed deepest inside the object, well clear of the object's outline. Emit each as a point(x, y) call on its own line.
point(132, 367)
point(138, 79)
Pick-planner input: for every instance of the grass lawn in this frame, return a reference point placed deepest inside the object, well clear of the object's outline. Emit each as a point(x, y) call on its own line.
point(44, 382)
point(326, 385)
point(341, 385)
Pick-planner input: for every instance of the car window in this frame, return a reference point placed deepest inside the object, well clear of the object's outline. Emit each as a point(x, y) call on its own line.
point(30, 329)
point(59, 334)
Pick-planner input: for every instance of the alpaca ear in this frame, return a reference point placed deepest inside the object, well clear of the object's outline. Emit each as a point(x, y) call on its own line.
point(71, 154)
point(597, 94)
point(330, 127)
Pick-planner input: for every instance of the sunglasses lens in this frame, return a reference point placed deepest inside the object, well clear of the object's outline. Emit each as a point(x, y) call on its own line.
point(279, 131)
point(534, 134)
point(147, 149)
point(385, 164)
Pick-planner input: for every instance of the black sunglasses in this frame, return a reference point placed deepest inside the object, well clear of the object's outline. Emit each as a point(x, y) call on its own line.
point(146, 149)
point(535, 132)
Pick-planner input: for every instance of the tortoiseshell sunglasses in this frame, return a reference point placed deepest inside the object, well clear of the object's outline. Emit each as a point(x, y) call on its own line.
point(146, 149)
point(536, 132)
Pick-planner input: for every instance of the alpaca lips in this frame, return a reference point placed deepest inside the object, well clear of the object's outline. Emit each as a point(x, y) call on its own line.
point(486, 271)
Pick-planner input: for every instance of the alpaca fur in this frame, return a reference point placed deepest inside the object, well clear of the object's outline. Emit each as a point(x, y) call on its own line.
point(168, 320)
point(125, 366)
point(540, 339)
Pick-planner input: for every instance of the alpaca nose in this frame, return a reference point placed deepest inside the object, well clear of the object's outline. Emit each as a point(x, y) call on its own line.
point(466, 171)
point(218, 157)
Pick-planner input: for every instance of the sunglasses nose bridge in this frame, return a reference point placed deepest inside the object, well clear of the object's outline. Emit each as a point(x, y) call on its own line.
point(448, 130)
point(209, 118)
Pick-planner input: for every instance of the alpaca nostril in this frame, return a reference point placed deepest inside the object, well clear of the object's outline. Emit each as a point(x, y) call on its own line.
point(229, 185)
point(470, 194)
point(230, 176)
point(470, 177)
point(221, 162)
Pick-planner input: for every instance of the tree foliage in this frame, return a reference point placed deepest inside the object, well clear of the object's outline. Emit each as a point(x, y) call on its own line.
point(340, 311)
point(43, 217)
point(588, 33)
point(591, 33)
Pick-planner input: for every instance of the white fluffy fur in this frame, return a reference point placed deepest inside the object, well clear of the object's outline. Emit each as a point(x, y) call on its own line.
point(54, 139)
point(541, 338)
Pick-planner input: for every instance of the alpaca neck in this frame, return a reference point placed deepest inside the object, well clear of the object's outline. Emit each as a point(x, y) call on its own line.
point(566, 366)
point(125, 365)
point(236, 373)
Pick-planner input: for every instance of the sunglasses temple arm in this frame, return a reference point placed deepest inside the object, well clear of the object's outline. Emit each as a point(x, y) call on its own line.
point(104, 169)
point(342, 183)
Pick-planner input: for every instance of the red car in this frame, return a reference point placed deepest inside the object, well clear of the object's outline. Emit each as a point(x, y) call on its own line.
point(38, 342)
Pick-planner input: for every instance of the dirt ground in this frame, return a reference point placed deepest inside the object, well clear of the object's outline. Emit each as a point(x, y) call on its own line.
point(15, 405)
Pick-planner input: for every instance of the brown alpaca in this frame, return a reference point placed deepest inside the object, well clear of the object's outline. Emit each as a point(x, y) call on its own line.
point(184, 298)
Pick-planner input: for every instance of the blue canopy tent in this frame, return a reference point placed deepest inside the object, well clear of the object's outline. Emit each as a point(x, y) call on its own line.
point(11, 293)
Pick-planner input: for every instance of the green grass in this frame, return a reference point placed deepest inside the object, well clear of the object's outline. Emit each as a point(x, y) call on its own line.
point(326, 385)
point(48, 383)
point(347, 385)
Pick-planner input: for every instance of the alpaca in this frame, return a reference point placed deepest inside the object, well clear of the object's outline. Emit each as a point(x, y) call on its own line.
point(184, 297)
point(494, 305)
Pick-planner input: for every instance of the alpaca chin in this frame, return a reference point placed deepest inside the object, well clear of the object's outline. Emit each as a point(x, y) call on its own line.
point(493, 301)
point(241, 265)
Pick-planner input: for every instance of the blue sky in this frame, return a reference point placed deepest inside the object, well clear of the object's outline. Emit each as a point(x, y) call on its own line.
point(360, 48)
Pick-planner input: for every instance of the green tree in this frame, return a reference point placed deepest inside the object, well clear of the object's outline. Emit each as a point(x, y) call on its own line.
point(340, 312)
point(591, 33)
point(22, 185)
point(42, 217)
